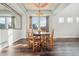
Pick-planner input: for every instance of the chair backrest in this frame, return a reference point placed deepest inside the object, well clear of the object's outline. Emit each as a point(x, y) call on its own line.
point(30, 32)
point(51, 34)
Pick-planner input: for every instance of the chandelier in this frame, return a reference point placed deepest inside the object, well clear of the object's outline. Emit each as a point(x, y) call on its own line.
point(40, 5)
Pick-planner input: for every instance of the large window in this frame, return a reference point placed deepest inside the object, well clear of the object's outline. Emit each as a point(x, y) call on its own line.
point(6, 22)
point(9, 20)
point(2, 22)
point(35, 23)
point(43, 23)
point(40, 23)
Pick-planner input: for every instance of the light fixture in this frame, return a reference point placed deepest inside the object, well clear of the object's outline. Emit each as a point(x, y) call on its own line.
point(41, 5)
point(39, 19)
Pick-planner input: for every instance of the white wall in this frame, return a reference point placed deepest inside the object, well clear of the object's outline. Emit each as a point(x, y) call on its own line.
point(16, 35)
point(50, 23)
point(67, 30)
point(25, 19)
point(3, 37)
point(6, 39)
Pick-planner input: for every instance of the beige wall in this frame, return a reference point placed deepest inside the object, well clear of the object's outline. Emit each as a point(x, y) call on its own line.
point(67, 30)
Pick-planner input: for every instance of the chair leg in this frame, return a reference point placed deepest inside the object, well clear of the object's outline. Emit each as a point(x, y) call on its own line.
point(33, 45)
point(51, 41)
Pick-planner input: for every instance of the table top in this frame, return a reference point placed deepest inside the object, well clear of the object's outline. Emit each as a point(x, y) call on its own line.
point(42, 33)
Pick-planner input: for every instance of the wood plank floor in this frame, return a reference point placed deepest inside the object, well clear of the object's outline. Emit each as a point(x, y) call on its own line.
point(62, 47)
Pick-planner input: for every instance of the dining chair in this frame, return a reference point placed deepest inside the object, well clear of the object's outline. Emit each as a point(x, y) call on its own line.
point(30, 38)
point(44, 39)
point(51, 40)
point(34, 42)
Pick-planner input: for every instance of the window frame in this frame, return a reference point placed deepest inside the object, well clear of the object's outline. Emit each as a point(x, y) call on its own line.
point(13, 22)
point(70, 20)
point(61, 20)
point(30, 24)
point(5, 22)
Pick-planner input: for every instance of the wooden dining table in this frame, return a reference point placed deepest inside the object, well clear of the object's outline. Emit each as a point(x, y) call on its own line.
point(43, 37)
point(41, 33)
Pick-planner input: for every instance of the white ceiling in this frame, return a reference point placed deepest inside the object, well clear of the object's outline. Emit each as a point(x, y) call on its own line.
point(54, 8)
point(32, 6)
point(2, 7)
point(4, 11)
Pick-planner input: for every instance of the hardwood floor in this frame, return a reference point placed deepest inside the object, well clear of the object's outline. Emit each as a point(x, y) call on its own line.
point(62, 47)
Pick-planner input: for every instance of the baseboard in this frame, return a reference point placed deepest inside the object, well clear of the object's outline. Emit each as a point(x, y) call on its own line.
point(68, 37)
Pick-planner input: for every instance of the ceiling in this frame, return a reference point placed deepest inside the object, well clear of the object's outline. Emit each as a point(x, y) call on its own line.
point(4, 11)
point(35, 6)
point(2, 7)
point(45, 8)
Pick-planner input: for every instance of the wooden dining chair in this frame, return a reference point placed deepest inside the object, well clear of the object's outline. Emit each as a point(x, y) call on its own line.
point(30, 38)
point(51, 40)
point(44, 39)
point(34, 42)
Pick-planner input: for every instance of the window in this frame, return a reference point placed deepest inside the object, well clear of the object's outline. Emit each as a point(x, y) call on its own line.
point(61, 19)
point(2, 22)
point(77, 19)
point(35, 23)
point(43, 23)
point(6, 22)
point(10, 22)
point(70, 20)
point(39, 23)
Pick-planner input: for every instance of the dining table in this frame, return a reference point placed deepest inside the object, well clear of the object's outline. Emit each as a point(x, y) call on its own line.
point(44, 36)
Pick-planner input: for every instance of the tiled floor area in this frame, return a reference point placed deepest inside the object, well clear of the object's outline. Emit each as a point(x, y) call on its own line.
point(62, 47)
